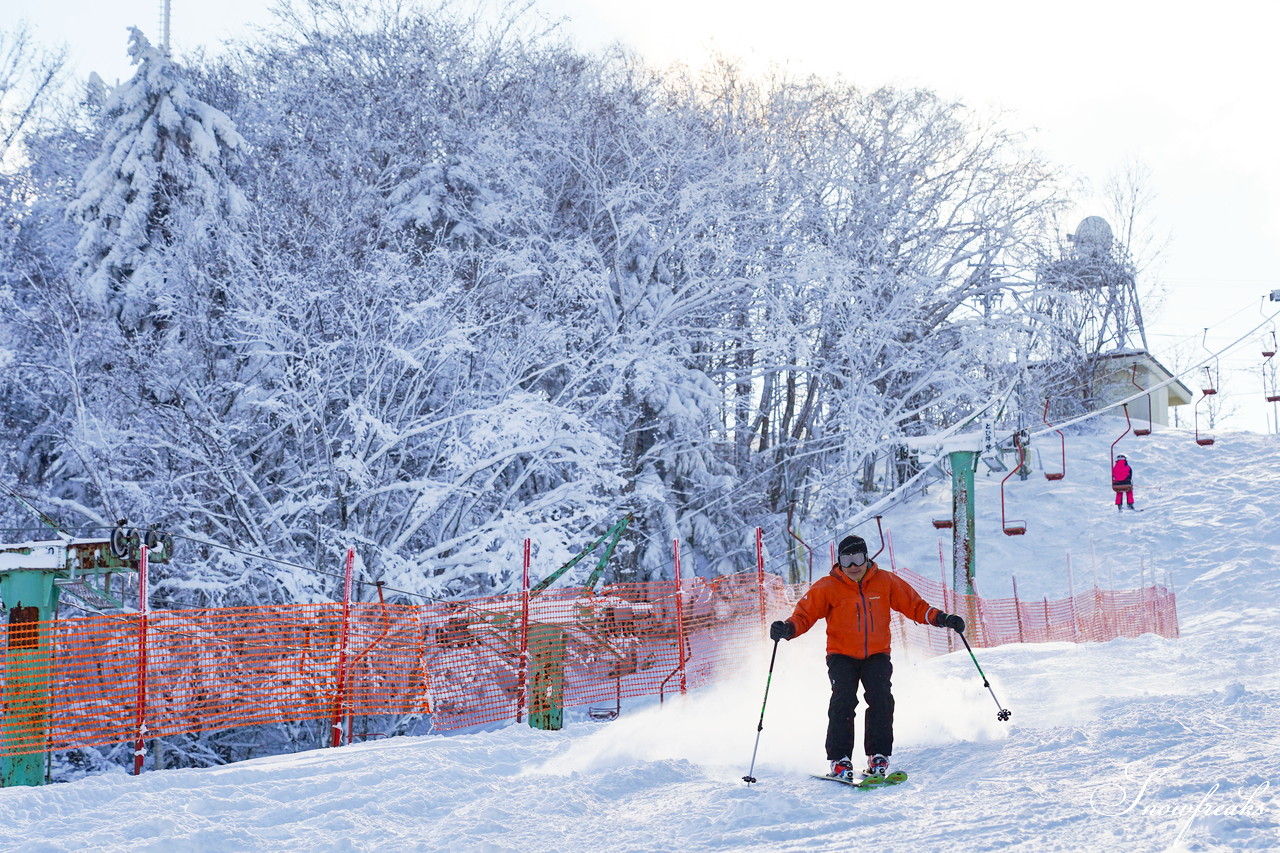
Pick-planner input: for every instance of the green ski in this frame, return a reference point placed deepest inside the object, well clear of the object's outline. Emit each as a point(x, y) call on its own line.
point(897, 777)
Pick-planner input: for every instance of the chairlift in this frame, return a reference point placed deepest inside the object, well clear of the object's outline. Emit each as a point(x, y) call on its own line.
point(608, 713)
point(1268, 348)
point(1268, 352)
point(943, 523)
point(1210, 385)
point(1133, 377)
point(790, 512)
point(880, 530)
point(1269, 389)
point(1014, 527)
point(1209, 388)
point(1128, 426)
point(1206, 440)
point(1055, 475)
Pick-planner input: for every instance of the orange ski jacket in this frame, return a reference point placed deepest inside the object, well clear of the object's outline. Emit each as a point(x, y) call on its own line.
point(857, 614)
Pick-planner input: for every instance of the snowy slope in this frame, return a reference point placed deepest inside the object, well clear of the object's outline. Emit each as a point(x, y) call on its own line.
point(1138, 744)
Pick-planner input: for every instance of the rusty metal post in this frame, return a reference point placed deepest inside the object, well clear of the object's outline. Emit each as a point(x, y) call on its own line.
point(963, 529)
point(140, 719)
point(31, 599)
point(523, 664)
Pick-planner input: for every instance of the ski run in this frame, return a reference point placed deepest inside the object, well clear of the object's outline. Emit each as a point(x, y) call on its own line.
point(1137, 744)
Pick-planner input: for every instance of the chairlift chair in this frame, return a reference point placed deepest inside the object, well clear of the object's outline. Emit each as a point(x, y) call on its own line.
point(608, 713)
point(1128, 426)
point(1209, 388)
point(1055, 475)
point(1268, 349)
point(1012, 527)
point(1205, 440)
point(1210, 384)
point(1133, 377)
point(1269, 389)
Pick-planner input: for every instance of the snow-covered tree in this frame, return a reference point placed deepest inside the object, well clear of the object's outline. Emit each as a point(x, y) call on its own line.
point(161, 179)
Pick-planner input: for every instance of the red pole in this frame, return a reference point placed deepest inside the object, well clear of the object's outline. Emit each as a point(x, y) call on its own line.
point(680, 619)
point(524, 634)
point(342, 651)
point(948, 606)
point(760, 569)
point(140, 722)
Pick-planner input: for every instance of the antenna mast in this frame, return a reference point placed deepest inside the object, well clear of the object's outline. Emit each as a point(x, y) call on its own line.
point(164, 26)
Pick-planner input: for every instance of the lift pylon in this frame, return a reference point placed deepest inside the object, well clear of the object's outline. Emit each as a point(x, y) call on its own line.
point(32, 576)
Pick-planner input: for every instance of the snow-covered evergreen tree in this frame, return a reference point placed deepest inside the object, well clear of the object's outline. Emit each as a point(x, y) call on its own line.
point(161, 178)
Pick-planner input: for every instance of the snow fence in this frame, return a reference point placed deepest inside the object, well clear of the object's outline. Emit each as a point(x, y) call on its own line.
point(113, 679)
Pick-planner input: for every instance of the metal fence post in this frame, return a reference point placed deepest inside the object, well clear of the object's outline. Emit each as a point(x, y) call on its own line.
point(524, 636)
point(680, 620)
point(140, 718)
point(341, 698)
point(760, 570)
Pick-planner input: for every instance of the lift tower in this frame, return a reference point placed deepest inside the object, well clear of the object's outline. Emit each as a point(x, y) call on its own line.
point(33, 575)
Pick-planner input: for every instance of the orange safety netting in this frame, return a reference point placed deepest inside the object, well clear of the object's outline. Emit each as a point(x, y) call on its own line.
point(465, 662)
point(1092, 616)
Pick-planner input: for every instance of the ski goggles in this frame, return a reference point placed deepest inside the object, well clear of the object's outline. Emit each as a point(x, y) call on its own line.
point(855, 558)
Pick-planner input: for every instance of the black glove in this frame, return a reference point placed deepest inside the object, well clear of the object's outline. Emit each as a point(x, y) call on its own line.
point(781, 630)
point(949, 620)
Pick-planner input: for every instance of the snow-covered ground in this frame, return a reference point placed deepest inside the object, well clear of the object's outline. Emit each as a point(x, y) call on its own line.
point(1137, 744)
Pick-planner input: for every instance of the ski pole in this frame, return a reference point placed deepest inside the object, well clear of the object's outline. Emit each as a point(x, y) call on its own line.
point(760, 727)
point(1004, 714)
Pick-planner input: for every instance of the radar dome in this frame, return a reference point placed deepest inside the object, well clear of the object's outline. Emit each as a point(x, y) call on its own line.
point(1093, 236)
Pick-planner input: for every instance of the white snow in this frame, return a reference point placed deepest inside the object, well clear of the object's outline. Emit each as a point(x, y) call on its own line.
point(1136, 744)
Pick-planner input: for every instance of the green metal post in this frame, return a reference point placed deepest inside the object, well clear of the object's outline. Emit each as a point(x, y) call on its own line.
point(546, 688)
point(30, 600)
point(963, 530)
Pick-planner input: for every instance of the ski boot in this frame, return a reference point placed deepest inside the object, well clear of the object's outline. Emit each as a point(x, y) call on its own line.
point(877, 766)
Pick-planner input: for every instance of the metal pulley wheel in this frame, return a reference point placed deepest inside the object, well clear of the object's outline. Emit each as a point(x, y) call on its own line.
point(120, 543)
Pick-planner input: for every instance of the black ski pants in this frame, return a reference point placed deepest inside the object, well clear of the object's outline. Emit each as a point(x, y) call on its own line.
point(875, 673)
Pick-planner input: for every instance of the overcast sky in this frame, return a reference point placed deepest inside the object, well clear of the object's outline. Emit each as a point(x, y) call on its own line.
point(1188, 94)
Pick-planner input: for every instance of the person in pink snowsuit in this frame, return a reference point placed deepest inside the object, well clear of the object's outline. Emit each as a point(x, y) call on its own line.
point(1122, 480)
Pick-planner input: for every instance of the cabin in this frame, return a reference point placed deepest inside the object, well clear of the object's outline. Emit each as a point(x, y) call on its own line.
point(1124, 373)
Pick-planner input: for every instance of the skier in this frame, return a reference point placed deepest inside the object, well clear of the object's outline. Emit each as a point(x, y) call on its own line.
point(855, 599)
point(1122, 481)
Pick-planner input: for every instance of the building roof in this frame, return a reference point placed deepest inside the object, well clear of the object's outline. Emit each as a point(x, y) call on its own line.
point(1179, 393)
